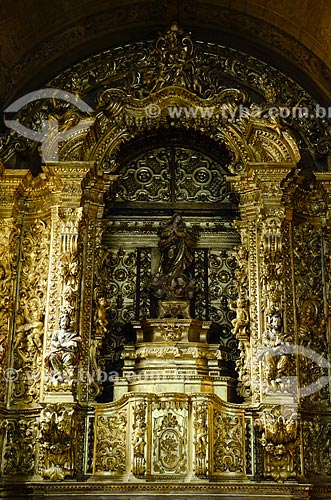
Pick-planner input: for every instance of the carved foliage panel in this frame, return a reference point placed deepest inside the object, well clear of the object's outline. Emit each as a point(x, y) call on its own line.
point(317, 450)
point(9, 234)
point(28, 340)
point(59, 428)
point(228, 443)
point(169, 439)
point(110, 443)
point(312, 322)
point(19, 446)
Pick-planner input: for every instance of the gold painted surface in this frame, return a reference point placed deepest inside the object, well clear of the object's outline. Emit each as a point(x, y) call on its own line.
point(58, 259)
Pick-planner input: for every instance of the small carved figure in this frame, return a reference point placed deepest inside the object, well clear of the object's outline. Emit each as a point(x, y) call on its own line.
point(241, 321)
point(62, 356)
point(138, 441)
point(29, 328)
point(100, 317)
point(276, 355)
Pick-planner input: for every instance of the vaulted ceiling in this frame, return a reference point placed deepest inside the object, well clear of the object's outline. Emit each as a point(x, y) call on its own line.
point(40, 38)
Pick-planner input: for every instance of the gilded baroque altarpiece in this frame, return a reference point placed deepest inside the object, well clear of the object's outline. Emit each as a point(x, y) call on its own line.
point(165, 303)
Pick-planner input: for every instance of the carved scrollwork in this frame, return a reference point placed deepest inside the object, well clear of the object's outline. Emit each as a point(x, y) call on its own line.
point(111, 443)
point(312, 322)
point(272, 263)
point(243, 367)
point(228, 443)
point(170, 440)
point(9, 234)
point(70, 266)
point(19, 454)
point(317, 450)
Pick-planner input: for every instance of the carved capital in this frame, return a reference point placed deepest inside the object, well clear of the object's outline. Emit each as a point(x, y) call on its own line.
point(13, 183)
point(323, 184)
point(66, 179)
point(263, 187)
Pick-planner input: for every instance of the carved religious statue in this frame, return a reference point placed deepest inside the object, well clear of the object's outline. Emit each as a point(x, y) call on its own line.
point(174, 280)
point(62, 356)
point(276, 352)
point(176, 243)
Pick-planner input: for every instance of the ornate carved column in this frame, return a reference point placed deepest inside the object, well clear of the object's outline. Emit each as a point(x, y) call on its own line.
point(266, 329)
point(313, 281)
point(62, 416)
point(17, 430)
point(70, 348)
point(12, 186)
point(62, 343)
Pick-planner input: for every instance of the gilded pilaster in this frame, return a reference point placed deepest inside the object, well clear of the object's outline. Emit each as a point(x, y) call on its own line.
point(313, 284)
point(12, 186)
point(266, 231)
point(64, 283)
